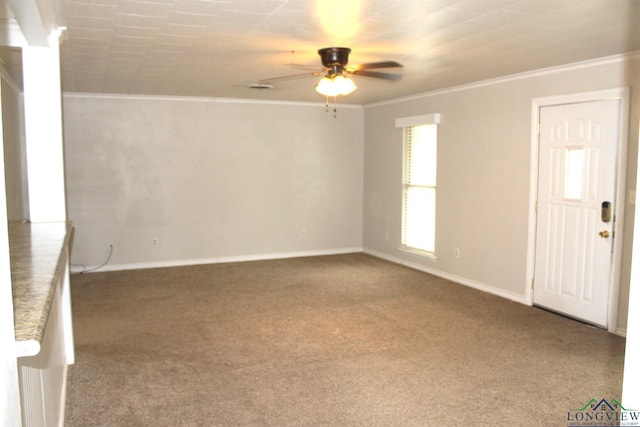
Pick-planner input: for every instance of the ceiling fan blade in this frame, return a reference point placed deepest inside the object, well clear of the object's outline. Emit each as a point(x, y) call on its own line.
point(377, 75)
point(372, 65)
point(290, 77)
point(306, 67)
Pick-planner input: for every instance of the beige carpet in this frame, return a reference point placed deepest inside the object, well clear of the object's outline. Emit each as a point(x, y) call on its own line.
point(345, 340)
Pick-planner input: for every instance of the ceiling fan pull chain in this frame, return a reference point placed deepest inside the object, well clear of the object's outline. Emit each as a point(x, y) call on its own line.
point(335, 107)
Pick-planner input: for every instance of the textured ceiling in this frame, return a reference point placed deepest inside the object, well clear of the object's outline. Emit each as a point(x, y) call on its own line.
point(215, 48)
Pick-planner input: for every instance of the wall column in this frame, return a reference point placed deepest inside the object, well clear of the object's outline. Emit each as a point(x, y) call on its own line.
point(631, 379)
point(43, 131)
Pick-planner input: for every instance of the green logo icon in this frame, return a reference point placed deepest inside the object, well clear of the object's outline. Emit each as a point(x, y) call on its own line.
point(603, 413)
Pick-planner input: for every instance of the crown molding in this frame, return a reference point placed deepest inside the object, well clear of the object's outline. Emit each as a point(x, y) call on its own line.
point(201, 99)
point(468, 86)
point(512, 77)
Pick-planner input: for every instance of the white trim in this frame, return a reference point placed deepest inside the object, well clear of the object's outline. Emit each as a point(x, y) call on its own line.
point(11, 83)
point(200, 99)
point(452, 277)
point(621, 94)
point(35, 19)
point(218, 260)
point(418, 254)
point(424, 119)
point(275, 102)
point(27, 348)
point(63, 394)
point(43, 130)
point(12, 34)
point(518, 76)
point(621, 332)
point(630, 384)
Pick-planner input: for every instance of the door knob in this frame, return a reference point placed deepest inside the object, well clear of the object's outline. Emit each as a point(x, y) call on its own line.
point(604, 234)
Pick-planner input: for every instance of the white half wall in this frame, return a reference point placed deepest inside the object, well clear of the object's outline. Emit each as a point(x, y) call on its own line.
point(9, 385)
point(176, 180)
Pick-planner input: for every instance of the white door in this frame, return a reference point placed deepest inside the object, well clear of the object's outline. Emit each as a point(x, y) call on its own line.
point(576, 189)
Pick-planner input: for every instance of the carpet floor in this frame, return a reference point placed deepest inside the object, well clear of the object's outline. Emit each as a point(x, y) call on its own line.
point(341, 340)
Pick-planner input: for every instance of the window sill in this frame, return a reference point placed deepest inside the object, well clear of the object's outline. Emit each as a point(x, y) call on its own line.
point(419, 254)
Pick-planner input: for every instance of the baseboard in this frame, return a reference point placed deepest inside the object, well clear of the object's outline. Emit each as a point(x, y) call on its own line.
point(452, 277)
point(621, 332)
point(217, 260)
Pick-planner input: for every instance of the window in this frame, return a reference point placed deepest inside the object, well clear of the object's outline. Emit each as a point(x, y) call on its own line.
point(574, 169)
point(419, 183)
point(419, 201)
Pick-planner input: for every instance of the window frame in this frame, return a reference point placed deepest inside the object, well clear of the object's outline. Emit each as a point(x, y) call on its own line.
point(407, 124)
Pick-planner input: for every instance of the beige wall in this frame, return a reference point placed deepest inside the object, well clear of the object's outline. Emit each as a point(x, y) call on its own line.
point(210, 179)
point(484, 143)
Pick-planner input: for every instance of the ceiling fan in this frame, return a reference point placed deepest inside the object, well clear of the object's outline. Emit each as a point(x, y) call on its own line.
point(337, 71)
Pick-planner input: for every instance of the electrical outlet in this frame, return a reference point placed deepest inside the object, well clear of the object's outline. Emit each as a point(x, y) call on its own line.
point(456, 252)
point(303, 233)
point(154, 242)
point(386, 235)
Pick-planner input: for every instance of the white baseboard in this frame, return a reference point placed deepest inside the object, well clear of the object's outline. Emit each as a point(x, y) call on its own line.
point(621, 331)
point(468, 282)
point(217, 260)
point(281, 255)
point(452, 277)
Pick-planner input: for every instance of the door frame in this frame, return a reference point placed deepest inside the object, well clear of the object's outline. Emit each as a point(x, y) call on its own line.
point(621, 94)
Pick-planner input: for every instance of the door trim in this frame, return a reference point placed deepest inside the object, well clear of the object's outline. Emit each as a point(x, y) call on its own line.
point(621, 94)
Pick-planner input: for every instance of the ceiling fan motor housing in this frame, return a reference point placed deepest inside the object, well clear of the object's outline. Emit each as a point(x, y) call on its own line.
point(335, 57)
point(335, 60)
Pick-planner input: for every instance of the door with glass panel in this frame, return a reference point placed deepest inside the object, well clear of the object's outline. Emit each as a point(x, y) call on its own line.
point(578, 149)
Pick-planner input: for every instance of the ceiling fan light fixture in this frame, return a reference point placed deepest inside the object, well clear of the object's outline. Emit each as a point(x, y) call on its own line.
point(335, 85)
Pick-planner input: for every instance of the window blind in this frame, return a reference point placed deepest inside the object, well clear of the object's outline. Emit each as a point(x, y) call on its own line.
point(419, 182)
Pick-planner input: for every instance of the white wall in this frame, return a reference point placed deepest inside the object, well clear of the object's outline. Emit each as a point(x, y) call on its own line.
point(631, 385)
point(484, 142)
point(209, 179)
point(42, 106)
point(14, 151)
